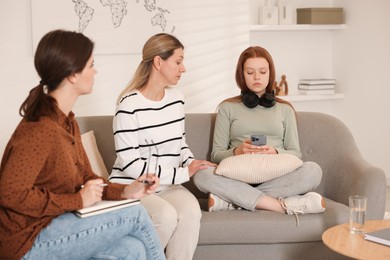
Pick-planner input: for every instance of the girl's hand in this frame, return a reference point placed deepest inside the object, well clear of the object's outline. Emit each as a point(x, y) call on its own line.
point(197, 165)
point(91, 192)
point(247, 148)
point(144, 185)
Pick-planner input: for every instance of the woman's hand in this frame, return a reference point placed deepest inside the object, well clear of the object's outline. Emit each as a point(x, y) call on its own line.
point(91, 192)
point(143, 186)
point(197, 165)
point(248, 148)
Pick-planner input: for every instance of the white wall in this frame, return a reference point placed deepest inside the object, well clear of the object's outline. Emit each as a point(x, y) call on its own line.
point(216, 32)
point(362, 63)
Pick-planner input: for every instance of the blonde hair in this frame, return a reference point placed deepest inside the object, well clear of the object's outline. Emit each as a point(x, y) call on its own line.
point(162, 45)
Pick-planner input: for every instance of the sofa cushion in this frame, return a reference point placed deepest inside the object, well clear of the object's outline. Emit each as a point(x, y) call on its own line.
point(258, 168)
point(266, 227)
point(95, 159)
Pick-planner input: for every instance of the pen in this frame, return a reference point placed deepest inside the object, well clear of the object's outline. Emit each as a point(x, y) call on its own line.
point(101, 185)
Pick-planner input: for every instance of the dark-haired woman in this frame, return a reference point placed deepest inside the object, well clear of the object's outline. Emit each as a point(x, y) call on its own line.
point(45, 173)
point(257, 111)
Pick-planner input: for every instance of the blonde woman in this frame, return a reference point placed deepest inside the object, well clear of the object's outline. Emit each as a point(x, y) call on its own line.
point(150, 139)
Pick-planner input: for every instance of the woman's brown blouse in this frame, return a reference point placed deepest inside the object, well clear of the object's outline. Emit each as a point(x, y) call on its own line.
point(43, 167)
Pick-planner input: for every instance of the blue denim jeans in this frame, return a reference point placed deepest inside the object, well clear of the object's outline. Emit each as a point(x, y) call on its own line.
point(304, 179)
point(121, 234)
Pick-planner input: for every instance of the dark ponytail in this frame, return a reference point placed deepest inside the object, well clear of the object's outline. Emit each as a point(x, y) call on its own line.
point(37, 104)
point(59, 54)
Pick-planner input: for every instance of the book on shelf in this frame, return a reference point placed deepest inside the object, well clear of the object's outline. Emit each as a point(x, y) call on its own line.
point(317, 81)
point(316, 86)
point(380, 236)
point(105, 206)
point(317, 91)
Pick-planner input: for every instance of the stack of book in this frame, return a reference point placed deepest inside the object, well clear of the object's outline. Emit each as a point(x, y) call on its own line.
point(317, 86)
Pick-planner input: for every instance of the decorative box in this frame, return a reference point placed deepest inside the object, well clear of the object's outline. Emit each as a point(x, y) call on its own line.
point(286, 12)
point(269, 14)
point(320, 15)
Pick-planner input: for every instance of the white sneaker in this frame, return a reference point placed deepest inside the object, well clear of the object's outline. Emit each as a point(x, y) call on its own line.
point(311, 202)
point(215, 203)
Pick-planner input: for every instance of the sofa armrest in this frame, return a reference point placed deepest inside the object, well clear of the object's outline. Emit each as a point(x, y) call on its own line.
point(328, 141)
point(358, 177)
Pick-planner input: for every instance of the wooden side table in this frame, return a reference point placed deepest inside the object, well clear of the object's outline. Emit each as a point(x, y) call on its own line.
point(340, 240)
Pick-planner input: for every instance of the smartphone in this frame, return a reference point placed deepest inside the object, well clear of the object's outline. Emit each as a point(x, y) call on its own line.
point(259, 140)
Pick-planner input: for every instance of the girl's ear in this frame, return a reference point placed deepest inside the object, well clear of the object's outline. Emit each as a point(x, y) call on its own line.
point(157, 62)
point(72, 78)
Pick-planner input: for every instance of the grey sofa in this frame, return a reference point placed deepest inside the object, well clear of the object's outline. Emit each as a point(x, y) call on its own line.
point(248, 235)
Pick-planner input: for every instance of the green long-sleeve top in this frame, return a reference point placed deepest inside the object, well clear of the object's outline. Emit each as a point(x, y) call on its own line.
point(235, 122)
point(41, 173)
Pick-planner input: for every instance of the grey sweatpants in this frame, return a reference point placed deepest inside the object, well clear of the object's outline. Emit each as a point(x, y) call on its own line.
point(304, 179)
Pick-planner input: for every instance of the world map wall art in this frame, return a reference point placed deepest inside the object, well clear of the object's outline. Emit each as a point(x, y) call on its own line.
point(116, 26)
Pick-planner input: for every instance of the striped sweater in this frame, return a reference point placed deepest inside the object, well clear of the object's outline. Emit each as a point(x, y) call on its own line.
point(150, 135)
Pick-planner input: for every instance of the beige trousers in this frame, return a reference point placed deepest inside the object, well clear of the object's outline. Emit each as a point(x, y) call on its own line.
point(176, 214)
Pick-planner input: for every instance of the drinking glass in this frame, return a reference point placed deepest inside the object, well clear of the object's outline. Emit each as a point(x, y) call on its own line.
point(357, 213)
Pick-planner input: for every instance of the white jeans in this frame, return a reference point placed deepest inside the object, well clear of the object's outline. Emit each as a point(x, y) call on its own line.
point(304, 179)
point(176, 214)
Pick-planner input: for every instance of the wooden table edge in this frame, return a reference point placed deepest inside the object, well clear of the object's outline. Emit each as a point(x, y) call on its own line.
point(340, 240)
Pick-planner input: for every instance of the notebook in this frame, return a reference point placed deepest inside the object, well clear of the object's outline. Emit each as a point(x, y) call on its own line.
point(105, 206)
point(381, 236)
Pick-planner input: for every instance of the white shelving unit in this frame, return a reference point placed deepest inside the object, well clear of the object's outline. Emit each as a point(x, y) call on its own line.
point(256, 28)
point(297, 27)
point(306, 98)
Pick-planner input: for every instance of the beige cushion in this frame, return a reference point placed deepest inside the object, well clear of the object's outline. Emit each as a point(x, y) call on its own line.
point(258, 168)
point(95, 159)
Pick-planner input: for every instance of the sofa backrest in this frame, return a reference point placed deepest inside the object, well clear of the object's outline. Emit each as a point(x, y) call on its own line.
point(327, 141)
point(102, 128)
point(323, 139)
